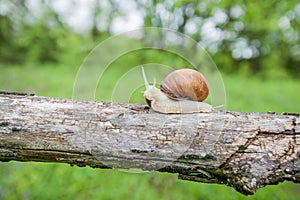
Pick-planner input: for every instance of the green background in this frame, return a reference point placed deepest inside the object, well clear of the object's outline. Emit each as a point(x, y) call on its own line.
point(39, 58)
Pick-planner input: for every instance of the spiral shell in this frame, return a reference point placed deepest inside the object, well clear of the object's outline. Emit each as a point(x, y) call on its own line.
point(185, 84)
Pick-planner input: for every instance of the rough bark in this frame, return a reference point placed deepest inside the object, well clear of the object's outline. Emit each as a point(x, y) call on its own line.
point(244, 150)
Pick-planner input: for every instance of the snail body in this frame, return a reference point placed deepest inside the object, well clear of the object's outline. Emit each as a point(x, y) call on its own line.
point(182, 91)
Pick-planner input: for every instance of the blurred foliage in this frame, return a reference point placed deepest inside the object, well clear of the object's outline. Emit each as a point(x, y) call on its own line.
point(252, 37)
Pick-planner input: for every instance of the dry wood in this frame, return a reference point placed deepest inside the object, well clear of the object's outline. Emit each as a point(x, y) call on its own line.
point(244, 150)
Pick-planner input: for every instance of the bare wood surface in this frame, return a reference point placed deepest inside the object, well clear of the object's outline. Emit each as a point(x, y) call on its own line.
point(244, 150)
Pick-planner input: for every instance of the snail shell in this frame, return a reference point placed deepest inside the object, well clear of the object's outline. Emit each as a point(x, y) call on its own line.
point(185, 84)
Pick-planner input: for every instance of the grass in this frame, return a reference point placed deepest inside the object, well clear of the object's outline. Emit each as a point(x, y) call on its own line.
point(250, 94)
point(59, 181)
point(46, 80)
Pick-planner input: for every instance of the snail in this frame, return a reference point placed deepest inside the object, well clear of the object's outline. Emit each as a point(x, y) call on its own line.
point(182, 91)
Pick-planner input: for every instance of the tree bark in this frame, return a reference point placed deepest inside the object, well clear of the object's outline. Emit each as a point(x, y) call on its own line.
point(244, 150)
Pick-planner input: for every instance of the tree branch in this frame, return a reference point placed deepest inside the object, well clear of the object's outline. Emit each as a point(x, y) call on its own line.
point(244, 150)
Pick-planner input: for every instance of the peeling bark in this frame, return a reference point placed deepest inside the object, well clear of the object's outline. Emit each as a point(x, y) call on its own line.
point(244, 150)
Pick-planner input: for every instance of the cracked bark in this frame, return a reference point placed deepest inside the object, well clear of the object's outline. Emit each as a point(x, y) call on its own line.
point(244, 150)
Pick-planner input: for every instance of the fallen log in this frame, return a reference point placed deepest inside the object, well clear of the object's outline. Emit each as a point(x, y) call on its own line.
point(244, 150)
